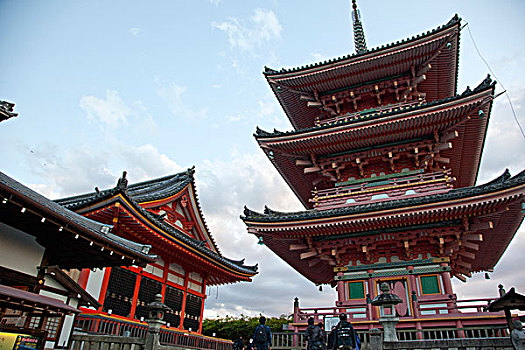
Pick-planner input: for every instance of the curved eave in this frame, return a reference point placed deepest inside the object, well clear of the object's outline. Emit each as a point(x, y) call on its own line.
point(56, 226)
point(375, 65)
point(502, 207)
point(494, 190)
point(161, 233)
point(415, 123)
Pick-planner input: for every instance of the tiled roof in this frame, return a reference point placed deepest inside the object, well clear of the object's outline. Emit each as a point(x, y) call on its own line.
point(486, 84)
point(454, 21)
point(140, 192)
point(502, 182)
point(6, 110)
point(154, 190)
point(51, 209)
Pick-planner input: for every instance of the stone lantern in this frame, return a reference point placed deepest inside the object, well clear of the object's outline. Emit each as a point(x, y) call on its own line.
point(388, 319)
point(156, 310)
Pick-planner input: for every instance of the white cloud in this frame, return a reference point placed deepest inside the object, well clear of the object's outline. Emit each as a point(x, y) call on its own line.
point(111, 112)
point(224, 188)
point(80, 169)
point(173, 95)
point(215, 2)
point(135, 31)
point(261, 28)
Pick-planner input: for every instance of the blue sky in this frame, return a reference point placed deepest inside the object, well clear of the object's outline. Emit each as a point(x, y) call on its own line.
point(156, 87)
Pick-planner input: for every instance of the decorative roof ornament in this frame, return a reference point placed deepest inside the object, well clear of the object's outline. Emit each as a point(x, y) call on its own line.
point(6, 110)
point(122, 183)
point(359, 34)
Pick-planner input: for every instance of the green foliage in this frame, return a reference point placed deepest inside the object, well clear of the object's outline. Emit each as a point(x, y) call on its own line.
point(232, 327)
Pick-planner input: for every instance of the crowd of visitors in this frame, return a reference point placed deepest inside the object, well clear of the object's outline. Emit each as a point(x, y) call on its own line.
point(342, 337)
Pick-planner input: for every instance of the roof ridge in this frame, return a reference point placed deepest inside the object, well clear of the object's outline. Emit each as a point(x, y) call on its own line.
point(453, 21)
point(486, 84)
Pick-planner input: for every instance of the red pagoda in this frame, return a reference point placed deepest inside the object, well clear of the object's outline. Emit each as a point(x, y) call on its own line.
point(164, 213)
point(384, 155)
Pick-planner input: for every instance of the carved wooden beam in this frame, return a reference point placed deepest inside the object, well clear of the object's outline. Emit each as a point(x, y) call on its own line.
point(298, 246)
point(313, 262)
point(487, 225)
point(307, 255)
point(467, 254)
point(460, 277)
point(470, 245)
point(474, 237)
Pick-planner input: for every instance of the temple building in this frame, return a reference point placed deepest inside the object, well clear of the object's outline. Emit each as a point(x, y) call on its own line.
point(384, 155)
point(39, 242)
point(164, 213)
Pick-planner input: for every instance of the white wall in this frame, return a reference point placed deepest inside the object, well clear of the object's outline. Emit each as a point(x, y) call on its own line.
point(19, 250)
point(94, 283)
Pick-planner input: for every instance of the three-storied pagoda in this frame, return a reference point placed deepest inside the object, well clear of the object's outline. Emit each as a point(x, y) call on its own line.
point(384, 156)
point(166, 214)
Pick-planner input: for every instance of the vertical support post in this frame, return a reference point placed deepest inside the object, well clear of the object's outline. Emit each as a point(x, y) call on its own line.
point(447, 286)
point(204, 280)
point(373, 294)
point(103, 289)
point(184, 297)
point(296, 310)
point(83, 278)
point(135, 297)
point(376, 342)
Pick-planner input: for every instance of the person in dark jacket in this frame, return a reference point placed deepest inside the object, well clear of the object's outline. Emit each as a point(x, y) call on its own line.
point(323, 332)
point(262, 337)
point(331, 339)
point(238, 344)
point(314, 336)
point(344, 334)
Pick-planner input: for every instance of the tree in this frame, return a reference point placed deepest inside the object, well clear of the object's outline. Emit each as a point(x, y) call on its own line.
point(232, 327)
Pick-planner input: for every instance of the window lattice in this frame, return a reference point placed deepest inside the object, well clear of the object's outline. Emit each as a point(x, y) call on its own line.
point(173, 299)
point(192, 312)
point(147, 291)
point(119, 294)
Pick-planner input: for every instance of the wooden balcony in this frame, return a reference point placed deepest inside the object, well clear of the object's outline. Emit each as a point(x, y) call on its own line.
point(367, 113)
point(382, 188)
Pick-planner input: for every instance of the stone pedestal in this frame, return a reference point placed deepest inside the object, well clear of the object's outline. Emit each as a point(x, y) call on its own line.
point(389, 327)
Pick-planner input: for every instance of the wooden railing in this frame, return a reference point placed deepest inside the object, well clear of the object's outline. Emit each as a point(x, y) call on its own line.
point(367, 112)
point(474, 337)
point(101, 325)
point(423, 307)
point(374, 190)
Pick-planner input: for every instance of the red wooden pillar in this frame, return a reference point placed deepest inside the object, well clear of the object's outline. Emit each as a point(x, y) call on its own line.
point(83, 278)
point(135, 297)
point(104, 287)
point(202, 303)
point(447, 286)
point(185, 290)
point(372, 293)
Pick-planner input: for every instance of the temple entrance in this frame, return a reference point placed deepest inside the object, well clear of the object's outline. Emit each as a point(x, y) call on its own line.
point(399, 287)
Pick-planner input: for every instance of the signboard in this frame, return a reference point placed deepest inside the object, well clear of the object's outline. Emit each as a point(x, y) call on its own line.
point(17, 341)
point(330, 322)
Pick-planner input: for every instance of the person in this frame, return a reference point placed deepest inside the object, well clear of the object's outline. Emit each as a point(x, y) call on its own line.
point(518, 335)
point(249, 344)
point(323, 332)
point(344, 334)
point(262, 337)
point(238, 344)
point(314, 336)
point(331, 339)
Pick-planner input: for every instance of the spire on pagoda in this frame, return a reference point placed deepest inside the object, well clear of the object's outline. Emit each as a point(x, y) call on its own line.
point(359, 34)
